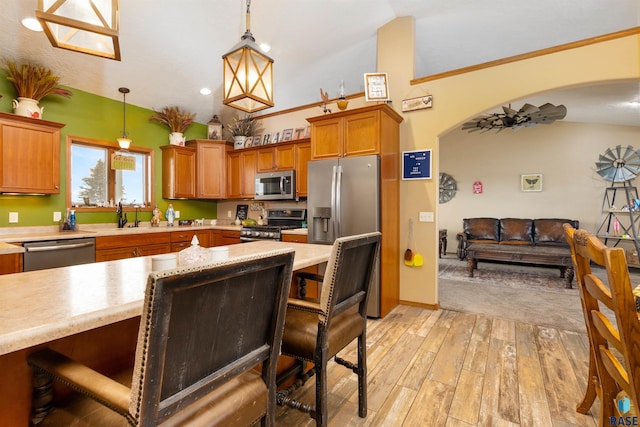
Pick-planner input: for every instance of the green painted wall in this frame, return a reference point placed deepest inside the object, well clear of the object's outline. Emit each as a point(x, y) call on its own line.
point(91, 116)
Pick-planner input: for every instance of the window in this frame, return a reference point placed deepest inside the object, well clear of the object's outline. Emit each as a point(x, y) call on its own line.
point(100, 175)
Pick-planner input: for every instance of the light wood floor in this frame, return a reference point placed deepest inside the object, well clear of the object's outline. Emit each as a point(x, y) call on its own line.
point(446, 368)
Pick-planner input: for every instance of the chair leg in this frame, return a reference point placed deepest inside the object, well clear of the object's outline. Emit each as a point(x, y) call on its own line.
point(590, 394)
point(362, 375)
point(322, 410)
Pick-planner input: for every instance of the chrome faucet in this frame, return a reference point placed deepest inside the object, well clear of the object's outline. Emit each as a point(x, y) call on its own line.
point(122, 216)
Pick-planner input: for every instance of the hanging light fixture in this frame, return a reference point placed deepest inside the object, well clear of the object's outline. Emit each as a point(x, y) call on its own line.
point(124, 141)
point(248, 74)
point(87, 26)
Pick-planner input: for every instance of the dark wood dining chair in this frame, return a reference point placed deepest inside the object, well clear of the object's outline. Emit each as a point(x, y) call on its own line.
point(203, 331)
point(315, 331)
point(613, 341)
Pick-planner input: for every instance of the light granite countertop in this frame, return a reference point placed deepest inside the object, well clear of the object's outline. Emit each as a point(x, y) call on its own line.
point(6, 248)
point(34, 234)
point(45, 305)
point(297, 231)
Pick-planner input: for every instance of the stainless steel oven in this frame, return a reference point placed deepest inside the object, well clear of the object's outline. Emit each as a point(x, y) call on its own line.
point(278, 220)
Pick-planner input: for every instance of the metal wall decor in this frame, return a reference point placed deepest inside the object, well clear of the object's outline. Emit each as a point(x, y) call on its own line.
point(448, 187)
point(527, 116)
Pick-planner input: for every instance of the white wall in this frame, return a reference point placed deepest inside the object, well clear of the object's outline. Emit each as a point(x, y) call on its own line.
point(563, 152)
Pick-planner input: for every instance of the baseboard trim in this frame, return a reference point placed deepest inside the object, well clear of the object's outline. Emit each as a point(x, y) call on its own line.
point(421, 305)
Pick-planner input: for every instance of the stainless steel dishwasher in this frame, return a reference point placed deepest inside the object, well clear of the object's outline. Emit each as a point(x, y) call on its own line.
point(58, 253)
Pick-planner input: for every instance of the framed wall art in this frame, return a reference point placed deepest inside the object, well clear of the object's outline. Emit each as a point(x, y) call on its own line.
point(531, 182)
point(416, 164)
point(376, 87)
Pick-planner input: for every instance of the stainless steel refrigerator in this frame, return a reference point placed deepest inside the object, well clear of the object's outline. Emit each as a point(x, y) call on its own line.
point(343, 200)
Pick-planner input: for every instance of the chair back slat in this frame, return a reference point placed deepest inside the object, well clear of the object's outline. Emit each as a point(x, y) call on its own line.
point(349, 274)
point(202, 327)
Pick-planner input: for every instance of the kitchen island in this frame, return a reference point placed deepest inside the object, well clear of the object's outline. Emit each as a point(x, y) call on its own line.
point(90, 312)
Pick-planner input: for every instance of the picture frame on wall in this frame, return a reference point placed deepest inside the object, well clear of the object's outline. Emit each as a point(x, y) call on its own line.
point(376, 87)
point(531, 182)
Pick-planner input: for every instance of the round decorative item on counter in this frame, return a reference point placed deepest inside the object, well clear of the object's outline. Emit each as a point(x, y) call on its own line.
point(195, 254)
point(219, 253)
point(163, 262)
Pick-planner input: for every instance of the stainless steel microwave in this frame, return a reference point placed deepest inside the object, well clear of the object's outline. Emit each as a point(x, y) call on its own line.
point(280, 185)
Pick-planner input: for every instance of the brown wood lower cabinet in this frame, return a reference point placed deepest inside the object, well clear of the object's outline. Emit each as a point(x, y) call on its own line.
point(182, 239)
point(295, 238)
point(111, 248)
point(225, 237)
point(10, 263)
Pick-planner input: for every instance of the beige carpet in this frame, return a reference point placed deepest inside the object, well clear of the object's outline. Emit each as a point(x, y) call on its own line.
point(530, 294)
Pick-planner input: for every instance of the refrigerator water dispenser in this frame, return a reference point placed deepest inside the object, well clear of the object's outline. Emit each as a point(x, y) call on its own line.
point(321, 217)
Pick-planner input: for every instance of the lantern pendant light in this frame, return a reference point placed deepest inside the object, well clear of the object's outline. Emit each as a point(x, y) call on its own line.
point(87, 26)
point(124, 141)
point(248, 74)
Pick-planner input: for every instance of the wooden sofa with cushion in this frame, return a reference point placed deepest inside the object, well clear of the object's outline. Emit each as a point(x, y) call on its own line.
point(517, 240)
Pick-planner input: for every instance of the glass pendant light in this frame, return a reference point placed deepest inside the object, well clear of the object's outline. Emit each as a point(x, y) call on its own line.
point(124, 141)
point(89, 27)
point(248, 74)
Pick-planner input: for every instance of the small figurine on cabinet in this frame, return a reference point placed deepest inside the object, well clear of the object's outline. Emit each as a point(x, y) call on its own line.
point(155, 219)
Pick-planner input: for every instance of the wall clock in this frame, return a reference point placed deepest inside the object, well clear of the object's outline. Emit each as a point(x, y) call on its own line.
point(448, 187)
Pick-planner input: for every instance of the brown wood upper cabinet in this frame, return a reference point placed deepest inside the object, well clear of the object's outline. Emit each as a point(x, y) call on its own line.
point(29, 155)
point(276, 158)
point(241, 171)
point(178, 172)
point(243, 164)
point(355, 132)
point(195, 171)
point(211, 170)
point(302, 157)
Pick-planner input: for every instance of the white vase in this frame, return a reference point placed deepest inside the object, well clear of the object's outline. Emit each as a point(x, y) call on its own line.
point(238, 141)
point(27, 107)
point(176, 138)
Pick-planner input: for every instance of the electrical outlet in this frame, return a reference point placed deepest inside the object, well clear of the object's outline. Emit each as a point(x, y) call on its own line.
point(229, 213)
point(13, 217)
point(177, 214)
point(57, 216)
point(426, 216)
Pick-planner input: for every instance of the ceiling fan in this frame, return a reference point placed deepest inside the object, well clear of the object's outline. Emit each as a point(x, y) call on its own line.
point(529, 116)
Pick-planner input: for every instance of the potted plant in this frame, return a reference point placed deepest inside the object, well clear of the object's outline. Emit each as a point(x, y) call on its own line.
point(32, 82)
point(242, 128)
point(177, 120)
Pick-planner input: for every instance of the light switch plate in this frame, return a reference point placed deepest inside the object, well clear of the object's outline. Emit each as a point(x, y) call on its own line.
point(426, 216)
point(57, 216)
point(13, 217)
point(177, 214)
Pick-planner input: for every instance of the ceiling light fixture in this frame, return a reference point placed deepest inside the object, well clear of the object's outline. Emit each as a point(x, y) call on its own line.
point(32, 23)
point(124, 141)
point(529, 116)
point(87, 26)
point(248, 74)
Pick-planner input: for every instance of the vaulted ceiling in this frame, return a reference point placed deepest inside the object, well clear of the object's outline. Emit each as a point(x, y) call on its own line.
point(171, 49)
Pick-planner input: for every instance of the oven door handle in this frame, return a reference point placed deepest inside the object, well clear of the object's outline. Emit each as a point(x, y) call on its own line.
point(58, 247)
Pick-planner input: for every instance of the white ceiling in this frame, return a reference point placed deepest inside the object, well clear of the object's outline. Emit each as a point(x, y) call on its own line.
point(172, 48)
